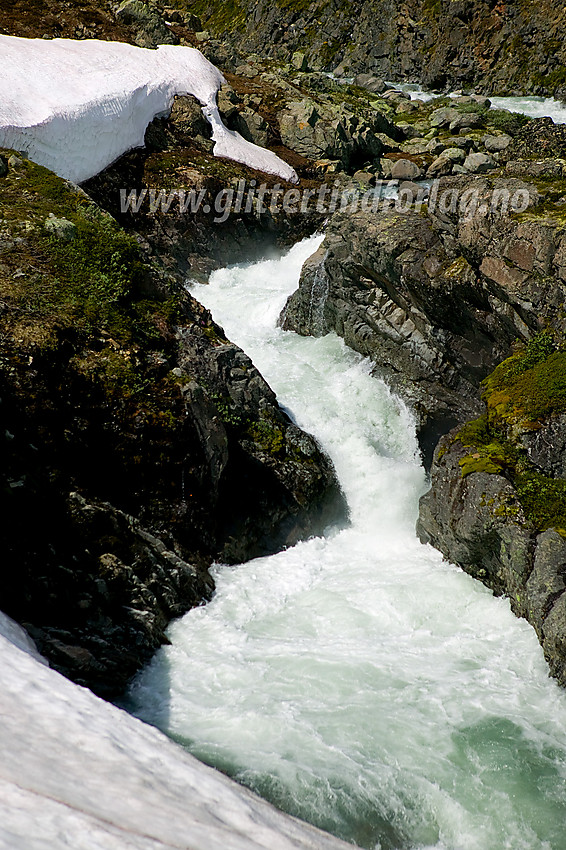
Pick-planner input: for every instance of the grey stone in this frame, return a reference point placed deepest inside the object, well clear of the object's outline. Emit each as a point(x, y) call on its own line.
point(371, 83)
point(455, 154)
point(554, 643)
point(62, 228)
point(465, 121)
point(405, 169)
point(493, 144)
point(546, 446)
point(365, 177)
point(440, 167)
point(299, 61)
point(411, 191)
point(152, 29)
point(443, 117)
point(251, 126)
point(547, 579)
point(477, 163)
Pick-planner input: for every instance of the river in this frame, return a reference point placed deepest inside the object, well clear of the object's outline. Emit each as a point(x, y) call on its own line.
point(357, 680)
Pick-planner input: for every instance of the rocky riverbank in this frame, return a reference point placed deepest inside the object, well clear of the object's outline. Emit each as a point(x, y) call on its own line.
point(497, 505)
point(138, 443)
point(437, 295)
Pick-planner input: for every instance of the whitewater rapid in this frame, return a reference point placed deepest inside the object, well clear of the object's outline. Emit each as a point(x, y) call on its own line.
point(357, 680)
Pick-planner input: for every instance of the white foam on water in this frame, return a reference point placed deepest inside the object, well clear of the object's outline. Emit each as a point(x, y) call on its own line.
point(357, 680)
point(535, 107)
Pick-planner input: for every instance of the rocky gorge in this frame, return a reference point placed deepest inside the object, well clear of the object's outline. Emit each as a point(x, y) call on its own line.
point(141, 444)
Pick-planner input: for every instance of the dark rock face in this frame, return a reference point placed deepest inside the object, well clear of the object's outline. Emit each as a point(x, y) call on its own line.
point(546, 446)
point(137, 442)
point(442, 43)
point(477, 522)
point(434, 298)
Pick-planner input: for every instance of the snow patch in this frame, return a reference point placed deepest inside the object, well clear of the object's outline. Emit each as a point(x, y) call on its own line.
point(77, 773)
point(76, 106)
point(13, 632)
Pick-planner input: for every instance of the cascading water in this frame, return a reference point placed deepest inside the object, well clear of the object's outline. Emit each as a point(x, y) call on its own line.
point(358, 681)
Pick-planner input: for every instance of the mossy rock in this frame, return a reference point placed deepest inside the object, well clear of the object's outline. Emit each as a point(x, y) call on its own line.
point(521, 393)
point(528, 387)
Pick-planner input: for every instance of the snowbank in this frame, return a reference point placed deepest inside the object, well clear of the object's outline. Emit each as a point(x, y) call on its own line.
point(77, 773)
point(76, 106)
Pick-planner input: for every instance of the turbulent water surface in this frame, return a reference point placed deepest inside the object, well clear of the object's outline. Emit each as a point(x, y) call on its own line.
point(357, 681)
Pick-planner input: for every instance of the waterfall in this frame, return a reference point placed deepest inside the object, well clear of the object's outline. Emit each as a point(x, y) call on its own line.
point(357, 680)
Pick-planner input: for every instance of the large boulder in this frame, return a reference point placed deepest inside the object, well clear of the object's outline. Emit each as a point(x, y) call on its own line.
point(323, 130)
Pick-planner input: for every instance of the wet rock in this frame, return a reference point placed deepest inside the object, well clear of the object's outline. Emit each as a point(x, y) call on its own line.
point(435, 301)
point(477, 521)
point(141, 441)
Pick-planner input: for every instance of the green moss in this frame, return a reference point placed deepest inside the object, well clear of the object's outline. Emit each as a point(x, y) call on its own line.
point(507, 122)
point(543, 500)
point(225, 406)
point(81, 294)
point(456, 269)
point(219, 16)
point(269, 436)
point(478, 463)
point(523, 391)
point(432, 8)
point(529, 386)
point(360, 99)
point(491, 453)
point(327, 50)
point(297, 6)
point(550, 80)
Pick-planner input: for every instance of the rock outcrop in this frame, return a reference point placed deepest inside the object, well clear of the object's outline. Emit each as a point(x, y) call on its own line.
point(138, 443)
point(434, 297)
point(444, 44)
point(497, 504)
